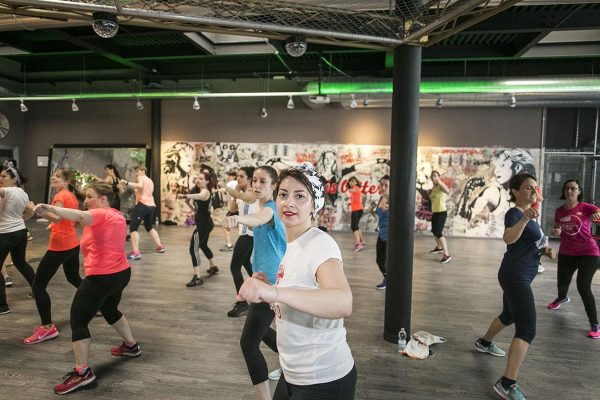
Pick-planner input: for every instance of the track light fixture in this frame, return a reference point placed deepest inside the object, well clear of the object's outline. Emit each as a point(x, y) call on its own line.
point(139, 105)
point(23, 106)
point(74, 106)
point(196, 105)
point(290, 103)
point(263, 112)
point(105, 24)
point(366, 101)
point(353, 103)
point(439, 103)
point(512, 102)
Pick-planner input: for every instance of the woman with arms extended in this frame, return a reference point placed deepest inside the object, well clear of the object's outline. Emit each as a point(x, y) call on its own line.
point(14, 208)
point(525, 243)
point(107, 273)
point(200, 194)
point(269, 247)
point(63, 248)
point(311, 298)
point(578, 251)
point(112, 178)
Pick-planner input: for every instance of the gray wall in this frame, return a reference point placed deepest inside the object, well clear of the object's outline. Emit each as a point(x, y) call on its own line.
point(17, 128)
point(119, 122)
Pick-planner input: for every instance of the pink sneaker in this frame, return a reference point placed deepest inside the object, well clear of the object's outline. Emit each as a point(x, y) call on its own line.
point(73, 381)
point(134, 255)
point(555, 305)
point(358, 247)
point(41, 334)
point(160, 249)
point(594, 332)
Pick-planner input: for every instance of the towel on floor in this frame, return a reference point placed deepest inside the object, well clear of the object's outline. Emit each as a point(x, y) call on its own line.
point(418, 346)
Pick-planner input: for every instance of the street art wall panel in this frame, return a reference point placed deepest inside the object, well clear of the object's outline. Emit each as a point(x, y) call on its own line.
point(477, 179)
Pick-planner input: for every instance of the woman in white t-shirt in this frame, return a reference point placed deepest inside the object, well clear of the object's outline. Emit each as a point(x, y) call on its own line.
point(14, 208)
point(311, 297)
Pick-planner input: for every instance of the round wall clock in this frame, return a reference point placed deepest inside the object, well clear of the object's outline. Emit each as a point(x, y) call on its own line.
point(4, 126)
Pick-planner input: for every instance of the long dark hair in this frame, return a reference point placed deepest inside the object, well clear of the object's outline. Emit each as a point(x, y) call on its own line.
point(15, 174)
point(114, 169)
point(69, 175)
point(562, 192)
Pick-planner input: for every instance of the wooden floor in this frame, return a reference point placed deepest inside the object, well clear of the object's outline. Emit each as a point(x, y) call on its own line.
point(191, 348)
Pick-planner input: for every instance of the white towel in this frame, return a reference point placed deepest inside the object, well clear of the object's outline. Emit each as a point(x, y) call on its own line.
point(418, 346)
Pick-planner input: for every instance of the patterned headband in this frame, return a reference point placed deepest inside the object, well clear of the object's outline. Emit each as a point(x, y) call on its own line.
point(309, 171)
point(12, 169)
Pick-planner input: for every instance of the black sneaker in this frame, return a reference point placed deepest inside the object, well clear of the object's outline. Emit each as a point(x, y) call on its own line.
point(196, 281)
point(436, 251)
point(212, 270)
point(4, 309)
point(239, 308)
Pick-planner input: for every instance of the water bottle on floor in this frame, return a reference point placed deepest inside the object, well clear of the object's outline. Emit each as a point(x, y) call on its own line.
point(401, 340)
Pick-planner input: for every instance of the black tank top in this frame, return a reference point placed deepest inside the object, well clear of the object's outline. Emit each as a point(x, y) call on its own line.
point(202, 208)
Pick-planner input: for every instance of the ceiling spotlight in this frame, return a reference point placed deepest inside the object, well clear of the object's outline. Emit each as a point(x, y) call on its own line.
point(139, 105)
point(512, 103)
point(263, 112)
point(296, 45)
point(74, 106)
point(196, 105)
point(105, 24)
point(23, 106)
point(353, 103)
point(290, 104)
point(439, 103)
point(366, 101)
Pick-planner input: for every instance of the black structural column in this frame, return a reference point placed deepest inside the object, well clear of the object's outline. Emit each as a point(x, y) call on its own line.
point(403, 158)
point(155, 139)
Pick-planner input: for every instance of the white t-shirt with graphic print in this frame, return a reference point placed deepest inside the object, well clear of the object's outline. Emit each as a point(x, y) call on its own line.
point(311, 350)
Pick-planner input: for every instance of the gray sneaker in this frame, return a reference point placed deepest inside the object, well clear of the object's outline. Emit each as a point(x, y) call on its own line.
point(513, 393)
point(491, 349)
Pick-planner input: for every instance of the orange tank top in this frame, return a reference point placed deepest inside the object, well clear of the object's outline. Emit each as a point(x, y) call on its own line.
point(62, 234)
point(356, 199)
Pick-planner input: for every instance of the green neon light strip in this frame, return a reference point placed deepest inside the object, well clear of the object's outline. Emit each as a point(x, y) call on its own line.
point(457, 87)
point(570, 85)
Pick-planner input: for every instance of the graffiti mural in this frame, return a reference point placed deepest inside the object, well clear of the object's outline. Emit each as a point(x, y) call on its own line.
point(477, 178)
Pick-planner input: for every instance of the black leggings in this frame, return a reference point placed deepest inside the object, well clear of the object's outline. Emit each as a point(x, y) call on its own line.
point(14, 243)
point(142, 213)
point(340, 389)
point(199, 240)
point(257, 328)
point(97, 292)
point(242, 254)
point(438, 220)
point(46, 270)
point(355, 219)
point(586, 267)
point(518, 307)
point(381, 254)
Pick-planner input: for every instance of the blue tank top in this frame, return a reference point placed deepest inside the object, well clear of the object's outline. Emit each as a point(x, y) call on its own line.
point(269, 245)
point(383, 223)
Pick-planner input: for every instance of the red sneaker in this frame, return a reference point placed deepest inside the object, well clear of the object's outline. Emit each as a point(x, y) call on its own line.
point(160, 249)
point(73, 380)
point(41, 334)
point(126, 351)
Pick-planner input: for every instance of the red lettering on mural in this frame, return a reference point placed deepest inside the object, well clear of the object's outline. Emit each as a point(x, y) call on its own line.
point(366, 187)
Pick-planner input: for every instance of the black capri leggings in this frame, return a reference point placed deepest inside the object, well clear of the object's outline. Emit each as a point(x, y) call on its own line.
point(438, 220)
point(97, 292)
point(518, 307)
point(242, 254)
point(381, 254)
point(142, 212)
point(340, 389)
point(46, 270)
point(257, 328)
point(586, 267)
point(14, 243)
point(199, 240)
point(354, 219)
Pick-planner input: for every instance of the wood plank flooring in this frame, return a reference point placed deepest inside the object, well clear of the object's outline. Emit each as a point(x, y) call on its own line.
point(191, 348)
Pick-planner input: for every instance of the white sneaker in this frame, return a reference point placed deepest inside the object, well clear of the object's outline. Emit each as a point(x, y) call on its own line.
point(541, 268)
point(275, 375)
